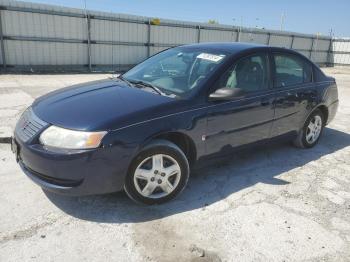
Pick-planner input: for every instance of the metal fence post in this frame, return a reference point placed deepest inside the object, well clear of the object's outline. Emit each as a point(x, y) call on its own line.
point(199, 34)
point(329, 53)
point(2, 44)
point(149, 38)
point(268, 38)
point(292, 42)
point(89, 40)
point(238, 35)
point(312, 47)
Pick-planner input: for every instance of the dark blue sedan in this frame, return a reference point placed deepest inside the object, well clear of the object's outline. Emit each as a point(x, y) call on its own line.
point(143, 131)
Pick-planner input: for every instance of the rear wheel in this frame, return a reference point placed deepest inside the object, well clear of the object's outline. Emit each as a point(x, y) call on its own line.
point(157, 174)
point(312, 130)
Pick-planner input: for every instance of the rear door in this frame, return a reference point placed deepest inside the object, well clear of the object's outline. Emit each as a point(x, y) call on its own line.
point(294, 92)
point(249, 118)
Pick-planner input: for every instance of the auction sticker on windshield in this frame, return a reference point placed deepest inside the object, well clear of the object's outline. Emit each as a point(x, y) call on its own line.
point(210, 57)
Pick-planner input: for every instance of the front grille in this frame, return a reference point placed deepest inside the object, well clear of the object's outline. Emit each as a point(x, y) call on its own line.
point(29, 125)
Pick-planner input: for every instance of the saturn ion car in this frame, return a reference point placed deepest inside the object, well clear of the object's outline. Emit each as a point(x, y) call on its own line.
point(143, 131)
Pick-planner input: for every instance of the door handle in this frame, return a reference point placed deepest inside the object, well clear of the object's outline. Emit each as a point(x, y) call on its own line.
point(265, 102)
point(289, 94)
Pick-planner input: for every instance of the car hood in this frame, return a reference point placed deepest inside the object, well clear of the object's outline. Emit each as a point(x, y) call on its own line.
point(99, 105)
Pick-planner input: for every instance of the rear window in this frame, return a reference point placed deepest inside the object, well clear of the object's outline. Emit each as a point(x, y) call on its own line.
point(291, 70)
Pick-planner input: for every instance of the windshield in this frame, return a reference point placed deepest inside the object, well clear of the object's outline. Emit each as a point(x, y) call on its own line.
point(177, 71)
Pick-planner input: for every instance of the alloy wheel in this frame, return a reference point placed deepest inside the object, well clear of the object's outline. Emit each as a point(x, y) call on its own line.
point(157, 176)
point(314, 129)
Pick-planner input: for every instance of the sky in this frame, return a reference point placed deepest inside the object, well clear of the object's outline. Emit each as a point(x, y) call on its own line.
point(304, 16)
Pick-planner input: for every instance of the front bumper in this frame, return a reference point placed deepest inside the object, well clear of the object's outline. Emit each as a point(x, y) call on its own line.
point(74, 172)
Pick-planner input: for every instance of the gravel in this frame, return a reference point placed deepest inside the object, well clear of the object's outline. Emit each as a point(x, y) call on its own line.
point(273, 203)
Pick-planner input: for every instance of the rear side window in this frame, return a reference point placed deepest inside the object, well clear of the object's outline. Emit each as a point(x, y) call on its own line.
point(291, 70)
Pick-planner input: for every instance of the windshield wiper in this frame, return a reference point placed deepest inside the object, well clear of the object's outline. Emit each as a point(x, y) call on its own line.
point(132, 83)
point(146, 84)
point(126, 81)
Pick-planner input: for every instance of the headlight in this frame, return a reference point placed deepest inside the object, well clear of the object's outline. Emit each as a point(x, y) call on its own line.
point(70, 139)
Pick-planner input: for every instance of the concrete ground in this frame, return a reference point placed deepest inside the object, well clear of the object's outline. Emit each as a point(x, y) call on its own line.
point(276, 203)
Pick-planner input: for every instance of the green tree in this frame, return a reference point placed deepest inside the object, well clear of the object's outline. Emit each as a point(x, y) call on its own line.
point(213, 22)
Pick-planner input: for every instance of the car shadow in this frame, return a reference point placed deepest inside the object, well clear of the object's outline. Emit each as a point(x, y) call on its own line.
point(207, 185)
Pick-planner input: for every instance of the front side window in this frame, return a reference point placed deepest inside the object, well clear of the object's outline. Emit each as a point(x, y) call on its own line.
point(177, 71)
point(249, 74)
point(291, 70)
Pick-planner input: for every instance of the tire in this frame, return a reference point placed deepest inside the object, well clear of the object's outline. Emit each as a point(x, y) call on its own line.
point(304, 137)
point(157, 174)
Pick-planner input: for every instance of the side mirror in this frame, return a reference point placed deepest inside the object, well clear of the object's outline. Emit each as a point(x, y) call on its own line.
point(226, 93)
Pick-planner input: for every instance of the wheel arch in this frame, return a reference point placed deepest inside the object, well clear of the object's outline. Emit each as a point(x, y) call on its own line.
point(183, 141)
point(324, 110)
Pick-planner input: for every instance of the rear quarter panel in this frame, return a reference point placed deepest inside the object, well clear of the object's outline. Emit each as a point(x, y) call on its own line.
point(328, 96)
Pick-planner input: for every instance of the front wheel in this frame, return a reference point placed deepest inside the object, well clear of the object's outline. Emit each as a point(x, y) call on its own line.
point(157, 174)
point(312, 130)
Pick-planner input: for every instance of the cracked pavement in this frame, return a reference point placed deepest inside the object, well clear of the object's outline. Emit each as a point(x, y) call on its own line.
point(271, 203)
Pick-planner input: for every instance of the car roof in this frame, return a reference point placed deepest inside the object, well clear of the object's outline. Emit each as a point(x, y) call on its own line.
point(228, 47)
point(234, 48)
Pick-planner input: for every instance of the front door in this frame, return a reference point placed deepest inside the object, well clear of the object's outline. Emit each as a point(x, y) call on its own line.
point(245, 119)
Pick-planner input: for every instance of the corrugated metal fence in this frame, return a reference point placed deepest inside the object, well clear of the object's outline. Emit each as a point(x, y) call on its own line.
point(42, 37)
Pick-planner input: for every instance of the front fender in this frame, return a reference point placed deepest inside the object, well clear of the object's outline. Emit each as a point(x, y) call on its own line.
point(132, 138)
